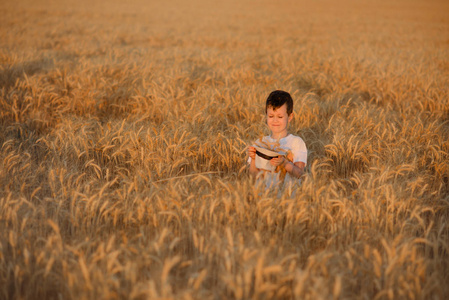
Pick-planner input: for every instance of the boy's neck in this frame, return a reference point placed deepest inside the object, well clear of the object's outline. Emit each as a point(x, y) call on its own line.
point(278, 136)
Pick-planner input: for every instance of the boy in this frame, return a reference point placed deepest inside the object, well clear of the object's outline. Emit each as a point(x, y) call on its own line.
point(287, 168)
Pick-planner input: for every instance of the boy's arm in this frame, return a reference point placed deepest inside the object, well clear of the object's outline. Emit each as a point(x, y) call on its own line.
point(294, 169)
point(253, 170)
point(299, 151)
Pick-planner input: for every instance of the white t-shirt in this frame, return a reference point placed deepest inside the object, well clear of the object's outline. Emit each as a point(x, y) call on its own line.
point(299, 150)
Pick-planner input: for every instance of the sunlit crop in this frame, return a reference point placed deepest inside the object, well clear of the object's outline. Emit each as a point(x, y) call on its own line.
point(123, 128)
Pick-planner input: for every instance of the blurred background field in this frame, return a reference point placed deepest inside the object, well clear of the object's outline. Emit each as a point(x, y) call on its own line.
point(123, 127)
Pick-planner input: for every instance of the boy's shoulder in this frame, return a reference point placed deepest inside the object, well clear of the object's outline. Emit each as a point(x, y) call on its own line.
point(292, 136)
point(295, 141)
point(289, 139)
point(295, 138)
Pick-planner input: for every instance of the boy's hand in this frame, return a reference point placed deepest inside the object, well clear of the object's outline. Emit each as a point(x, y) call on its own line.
point(277, 161)
point(252, 152)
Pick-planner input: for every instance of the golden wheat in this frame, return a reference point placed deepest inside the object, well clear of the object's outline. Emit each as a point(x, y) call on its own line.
point(123, 133)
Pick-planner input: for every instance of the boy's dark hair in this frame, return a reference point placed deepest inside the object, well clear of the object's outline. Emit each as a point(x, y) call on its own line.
point(278, 98)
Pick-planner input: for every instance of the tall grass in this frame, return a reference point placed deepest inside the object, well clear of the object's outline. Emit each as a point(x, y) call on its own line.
point(123, 130)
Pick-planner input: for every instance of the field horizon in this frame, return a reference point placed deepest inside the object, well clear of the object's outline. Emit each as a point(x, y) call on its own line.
point(123, 135)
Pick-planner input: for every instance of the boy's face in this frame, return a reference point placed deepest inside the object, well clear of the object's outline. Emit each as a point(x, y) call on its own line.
point(278, 119)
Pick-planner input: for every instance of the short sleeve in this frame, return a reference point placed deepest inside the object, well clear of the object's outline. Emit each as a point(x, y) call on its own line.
point(299, 150)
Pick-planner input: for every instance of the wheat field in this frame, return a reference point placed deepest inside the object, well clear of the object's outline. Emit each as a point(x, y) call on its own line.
point(123, 135)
